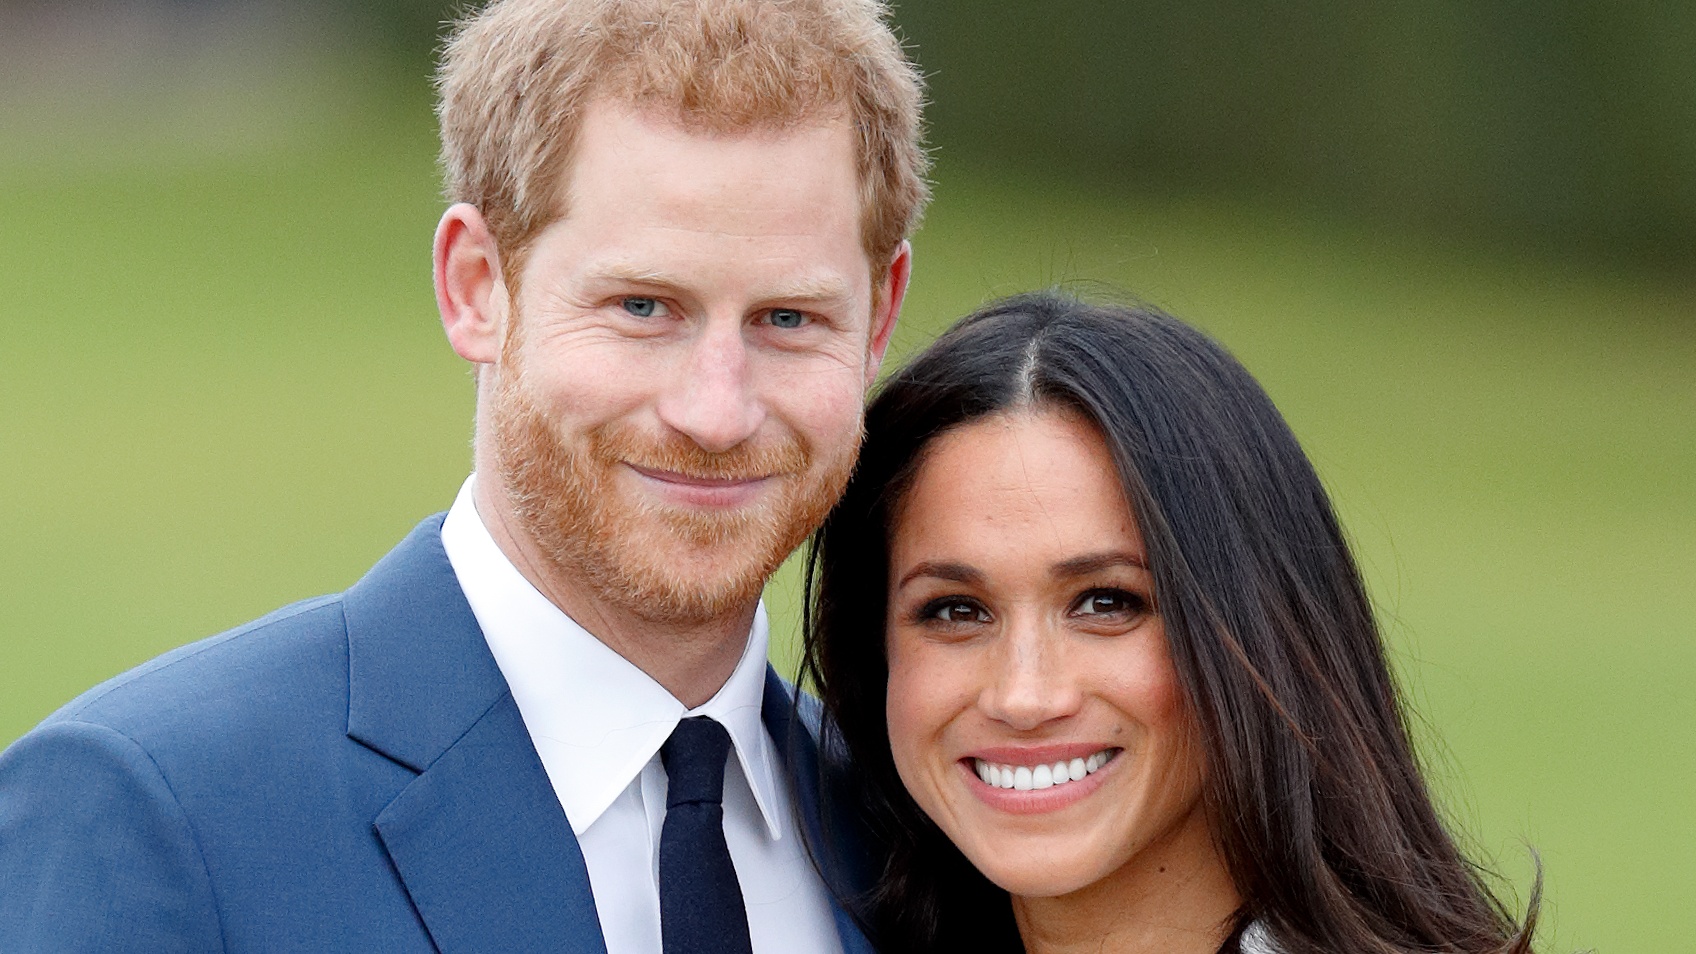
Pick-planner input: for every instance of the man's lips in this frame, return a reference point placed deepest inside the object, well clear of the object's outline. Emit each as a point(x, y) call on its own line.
point(704, 491)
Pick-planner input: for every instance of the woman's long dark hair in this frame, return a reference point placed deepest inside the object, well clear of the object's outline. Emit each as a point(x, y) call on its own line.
point(1312, 785)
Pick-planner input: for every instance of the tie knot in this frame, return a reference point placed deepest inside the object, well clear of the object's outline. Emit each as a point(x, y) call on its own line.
point(694, 759)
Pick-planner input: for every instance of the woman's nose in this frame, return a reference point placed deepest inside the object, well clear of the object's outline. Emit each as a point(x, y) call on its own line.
point(1029, 683)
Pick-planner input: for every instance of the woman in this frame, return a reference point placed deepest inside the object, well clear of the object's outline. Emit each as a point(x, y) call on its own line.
point(1107, 673)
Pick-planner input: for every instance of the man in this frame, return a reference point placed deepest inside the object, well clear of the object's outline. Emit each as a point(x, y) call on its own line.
point(675, 258)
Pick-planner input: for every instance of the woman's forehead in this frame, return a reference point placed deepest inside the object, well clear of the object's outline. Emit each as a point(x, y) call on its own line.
point(1016, 482)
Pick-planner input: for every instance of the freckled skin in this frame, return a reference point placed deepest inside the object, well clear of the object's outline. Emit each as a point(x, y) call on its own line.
point(756, 216)
point(700, 287)
point(1023, 654)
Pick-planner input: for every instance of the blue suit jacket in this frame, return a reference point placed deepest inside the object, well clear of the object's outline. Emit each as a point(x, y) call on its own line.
point(346, 774)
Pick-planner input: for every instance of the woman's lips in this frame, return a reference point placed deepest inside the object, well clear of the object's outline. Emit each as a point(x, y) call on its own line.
point(1039, 779)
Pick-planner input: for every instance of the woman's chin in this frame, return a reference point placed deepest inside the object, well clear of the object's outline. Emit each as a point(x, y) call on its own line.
point(1038, 871)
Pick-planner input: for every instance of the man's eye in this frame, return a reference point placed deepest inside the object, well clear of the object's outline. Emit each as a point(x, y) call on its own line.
point(644, 307)
point(786, 318)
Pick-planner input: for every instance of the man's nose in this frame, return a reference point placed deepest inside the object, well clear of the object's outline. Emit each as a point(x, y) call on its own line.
point(713, 400)
point(1030, 684)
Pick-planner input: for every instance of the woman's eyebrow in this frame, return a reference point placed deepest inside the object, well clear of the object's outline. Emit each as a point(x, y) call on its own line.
point(941, 570)
point(1094, 562)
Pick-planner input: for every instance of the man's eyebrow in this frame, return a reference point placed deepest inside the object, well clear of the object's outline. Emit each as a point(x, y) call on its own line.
point(822, 289)
point(941, 570)
point(817, 289)
point(1094, 562)
point(630, 274)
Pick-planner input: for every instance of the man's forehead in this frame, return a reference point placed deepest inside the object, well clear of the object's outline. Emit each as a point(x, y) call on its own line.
point(619, 140)
point(766, 214)
point(605, 118)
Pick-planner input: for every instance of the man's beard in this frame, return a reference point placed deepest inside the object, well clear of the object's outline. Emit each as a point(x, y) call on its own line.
point(665, 564)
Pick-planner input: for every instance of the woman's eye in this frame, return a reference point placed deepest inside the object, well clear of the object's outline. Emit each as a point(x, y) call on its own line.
point(1109, 602)
point(955, 611)
point(786, 318)
point(644, 307)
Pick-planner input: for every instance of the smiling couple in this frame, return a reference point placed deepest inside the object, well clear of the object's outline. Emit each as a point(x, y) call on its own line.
point(1097, 670)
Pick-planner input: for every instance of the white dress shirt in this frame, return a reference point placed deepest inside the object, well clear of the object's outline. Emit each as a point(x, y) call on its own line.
point(598, 722)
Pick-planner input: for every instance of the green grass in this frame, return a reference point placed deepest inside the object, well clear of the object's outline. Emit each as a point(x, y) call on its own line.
point(224, 388)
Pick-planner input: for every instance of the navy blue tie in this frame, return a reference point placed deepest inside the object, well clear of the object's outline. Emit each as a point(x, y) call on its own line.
point(701, 910)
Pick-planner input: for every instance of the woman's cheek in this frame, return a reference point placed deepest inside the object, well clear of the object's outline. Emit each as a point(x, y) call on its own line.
point(900, 699)
point(916, 687)
point(1142, 683)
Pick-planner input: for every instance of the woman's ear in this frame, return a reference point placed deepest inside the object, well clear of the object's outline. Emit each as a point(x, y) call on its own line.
point(471, 293)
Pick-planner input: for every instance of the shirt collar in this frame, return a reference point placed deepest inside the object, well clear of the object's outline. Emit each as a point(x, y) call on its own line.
point(594, 717)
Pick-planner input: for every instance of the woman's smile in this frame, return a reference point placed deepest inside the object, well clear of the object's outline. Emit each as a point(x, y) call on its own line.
point(1130, 696)
point(1033, 708)
point(1026, 783)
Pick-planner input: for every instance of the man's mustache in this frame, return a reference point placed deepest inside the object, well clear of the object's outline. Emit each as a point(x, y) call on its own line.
point(679, 455)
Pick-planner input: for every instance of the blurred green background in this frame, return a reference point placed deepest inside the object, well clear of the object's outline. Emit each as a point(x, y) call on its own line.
point(1455, 241)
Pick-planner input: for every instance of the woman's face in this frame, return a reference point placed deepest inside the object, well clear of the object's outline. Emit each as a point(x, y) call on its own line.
point(1033, 709)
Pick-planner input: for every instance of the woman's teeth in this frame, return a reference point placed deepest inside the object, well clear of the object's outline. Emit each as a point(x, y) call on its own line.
point(1026, 778)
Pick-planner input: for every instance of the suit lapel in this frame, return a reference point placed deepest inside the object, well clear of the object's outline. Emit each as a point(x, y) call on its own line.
point(478, 838)
point(485, 850)
point(793, 722)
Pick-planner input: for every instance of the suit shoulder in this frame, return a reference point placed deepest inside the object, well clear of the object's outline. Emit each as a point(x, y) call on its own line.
point(224, 678)
point(95, 851)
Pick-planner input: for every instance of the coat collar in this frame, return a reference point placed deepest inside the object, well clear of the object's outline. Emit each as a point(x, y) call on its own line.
point(794, 721)
point(419, 672)
point(479, 838)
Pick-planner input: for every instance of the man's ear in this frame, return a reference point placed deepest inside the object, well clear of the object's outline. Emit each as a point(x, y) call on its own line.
point(470, 291)
point(889, 299)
